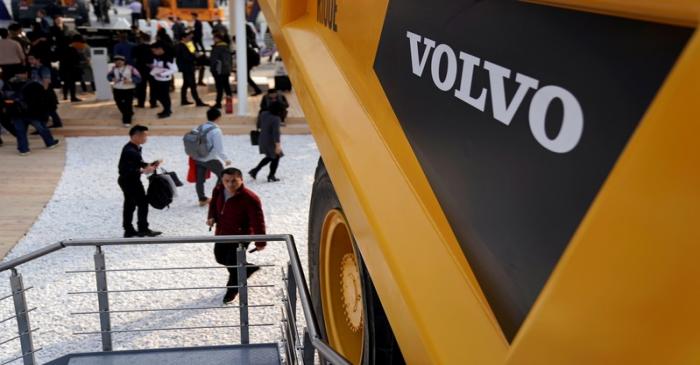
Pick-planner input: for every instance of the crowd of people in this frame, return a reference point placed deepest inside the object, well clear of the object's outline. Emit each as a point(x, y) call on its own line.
point(233, 209)
point(27, 80)
point(158, 60)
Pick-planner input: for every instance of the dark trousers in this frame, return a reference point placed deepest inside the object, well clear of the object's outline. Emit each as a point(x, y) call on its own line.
point(198, 45)
point(55, 118)
point(125, 102)
point(252, 83)
point(222, 85)
point(152, 94)
point(225, 254)
point(68, 87)
point(189, 83)
point(162, 91)
point(140, 90)
point(7, 123)
point(134, 198)
point(135, 18)
point(274, 162)
point(215, 167)
point(21, 125)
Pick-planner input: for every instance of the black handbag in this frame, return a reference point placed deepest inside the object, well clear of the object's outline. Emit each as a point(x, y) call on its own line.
point(254, 137)
point(173, 176)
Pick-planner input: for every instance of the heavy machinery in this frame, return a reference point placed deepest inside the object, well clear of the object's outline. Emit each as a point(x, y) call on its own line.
point(206, 10)
point(24, 11)
point(502, 182)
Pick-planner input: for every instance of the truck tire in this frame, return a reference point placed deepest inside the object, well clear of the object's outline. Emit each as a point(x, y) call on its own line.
point(364, 337)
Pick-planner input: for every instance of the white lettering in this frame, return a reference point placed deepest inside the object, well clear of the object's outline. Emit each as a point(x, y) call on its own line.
point(571, 125)
point(465, 86)
point(572, 122)
point(418, 63)
point(501, 111)
point(451, 75)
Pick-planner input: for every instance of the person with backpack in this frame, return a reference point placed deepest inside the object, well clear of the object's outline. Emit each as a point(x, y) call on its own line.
point(131, 166)
point(124, 78)
point(28, 107)
point(206, 146)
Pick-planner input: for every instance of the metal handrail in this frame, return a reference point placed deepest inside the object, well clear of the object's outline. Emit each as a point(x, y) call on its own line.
point(167, 268)
point(297, 273)
point(172, 309)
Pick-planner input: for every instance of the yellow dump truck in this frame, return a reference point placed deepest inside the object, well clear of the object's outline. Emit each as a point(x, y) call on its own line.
point(502, 182)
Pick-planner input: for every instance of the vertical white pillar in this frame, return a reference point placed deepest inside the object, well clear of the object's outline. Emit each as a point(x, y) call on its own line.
point(241, 58)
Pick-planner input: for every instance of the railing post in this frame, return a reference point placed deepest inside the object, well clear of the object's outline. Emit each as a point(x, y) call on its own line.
point(103, 299)
point(292, 290)
point(23, 327)
point(309, 350)
point(243, 292)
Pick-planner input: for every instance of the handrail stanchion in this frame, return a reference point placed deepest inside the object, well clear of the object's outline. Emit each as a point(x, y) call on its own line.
point(309, 351)
point(292, 290)
point(242, 271)
point(103, 299)
point(23, 327)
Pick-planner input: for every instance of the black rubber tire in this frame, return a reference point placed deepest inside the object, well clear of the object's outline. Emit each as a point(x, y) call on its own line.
point(380, 346)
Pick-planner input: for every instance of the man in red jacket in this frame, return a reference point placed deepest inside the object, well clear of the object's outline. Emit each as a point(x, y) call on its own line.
point(236, 211)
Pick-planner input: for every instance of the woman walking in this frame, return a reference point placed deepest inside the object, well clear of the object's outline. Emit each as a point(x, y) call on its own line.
point(269, 141)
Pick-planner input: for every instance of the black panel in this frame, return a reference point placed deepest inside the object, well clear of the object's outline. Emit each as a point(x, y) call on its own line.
point(513, 203)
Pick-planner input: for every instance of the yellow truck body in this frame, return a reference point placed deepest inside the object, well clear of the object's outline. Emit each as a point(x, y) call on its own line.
point(623, 286)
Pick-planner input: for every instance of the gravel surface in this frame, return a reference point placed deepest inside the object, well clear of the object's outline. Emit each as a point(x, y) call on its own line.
point(87, 204)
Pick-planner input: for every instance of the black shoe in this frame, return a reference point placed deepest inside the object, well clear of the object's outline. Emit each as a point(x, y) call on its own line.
point(272, 179)
point(149, 233)
point(184, 103)
point(217, 106)
point(201, 104)
point(163, 115)
point(253, 173)
point(75, 100)
point(54, 145)
point(230, 295)
point(1, 142)
point(56, 125)
point(154, 106)
point(129, 234)
point(35, 133)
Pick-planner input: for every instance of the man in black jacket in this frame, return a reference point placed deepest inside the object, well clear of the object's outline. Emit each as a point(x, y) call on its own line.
point(198, 34)
point(143, 57)
point(131, 166)
point(29, 107)
point(186, 60)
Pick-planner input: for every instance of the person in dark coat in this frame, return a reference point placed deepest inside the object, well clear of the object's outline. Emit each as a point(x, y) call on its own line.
point(269, 141)
point(143, 58)
point(70, 70)
point(42, 74)
point(234, 210)
point(186, 61)
point(29, 107)
point(198, 33)
point(131, 166)
point(253, 57)
point(274, 96)
point(220, 66)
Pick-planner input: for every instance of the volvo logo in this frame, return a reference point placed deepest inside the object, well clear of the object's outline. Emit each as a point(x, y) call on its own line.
point(457, 78)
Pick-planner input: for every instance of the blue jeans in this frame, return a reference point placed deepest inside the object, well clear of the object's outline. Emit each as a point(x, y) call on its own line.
point(21, 125)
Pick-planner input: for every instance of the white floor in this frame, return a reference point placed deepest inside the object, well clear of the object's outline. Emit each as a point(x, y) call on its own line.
point(87, 204)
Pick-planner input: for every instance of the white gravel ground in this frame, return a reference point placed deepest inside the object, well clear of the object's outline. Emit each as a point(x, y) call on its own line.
point(87, 204)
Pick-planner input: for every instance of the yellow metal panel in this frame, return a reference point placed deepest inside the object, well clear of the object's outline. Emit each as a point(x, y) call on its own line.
point(626, 290)
point(679, 12)
point(595, 308)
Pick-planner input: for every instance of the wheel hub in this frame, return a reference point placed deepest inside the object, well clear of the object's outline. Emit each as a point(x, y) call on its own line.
point(351, 292)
